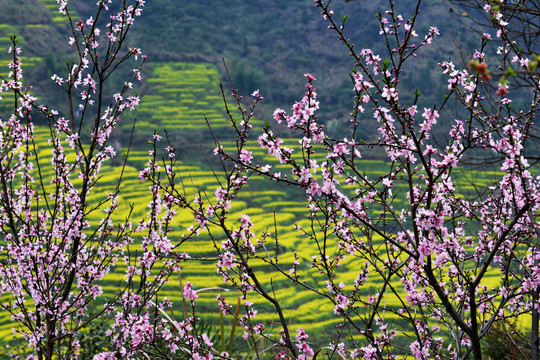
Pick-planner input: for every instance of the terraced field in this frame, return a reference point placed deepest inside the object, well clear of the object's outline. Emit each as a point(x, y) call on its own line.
point(56, 17)
point(179, 96)
point(135, 194)
point(301, 306)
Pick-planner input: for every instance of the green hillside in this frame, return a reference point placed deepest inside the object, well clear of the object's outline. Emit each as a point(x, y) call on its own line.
point(267, 46)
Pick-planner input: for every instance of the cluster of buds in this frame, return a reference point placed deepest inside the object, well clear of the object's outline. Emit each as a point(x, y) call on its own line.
point(481, 69)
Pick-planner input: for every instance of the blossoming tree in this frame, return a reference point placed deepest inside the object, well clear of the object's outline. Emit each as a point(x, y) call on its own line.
point(433, 251)
point(55, 255)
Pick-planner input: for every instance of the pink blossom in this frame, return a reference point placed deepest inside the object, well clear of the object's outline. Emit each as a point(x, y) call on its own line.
point(341, 303)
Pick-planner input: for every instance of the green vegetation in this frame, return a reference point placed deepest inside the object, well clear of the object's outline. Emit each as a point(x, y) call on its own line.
point(267, 46)
point(23, 12)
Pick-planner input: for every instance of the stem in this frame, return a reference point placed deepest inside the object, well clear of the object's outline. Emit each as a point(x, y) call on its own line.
point(262, 291)
point(534, 324)
point(535, 321)
point(474, 332)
